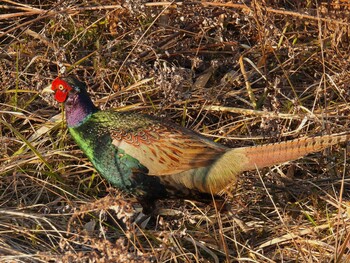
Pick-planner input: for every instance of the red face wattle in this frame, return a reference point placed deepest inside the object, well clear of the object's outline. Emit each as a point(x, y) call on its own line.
point(61, 89)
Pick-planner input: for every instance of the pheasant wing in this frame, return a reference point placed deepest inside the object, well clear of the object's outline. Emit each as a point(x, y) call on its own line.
point(163, 148)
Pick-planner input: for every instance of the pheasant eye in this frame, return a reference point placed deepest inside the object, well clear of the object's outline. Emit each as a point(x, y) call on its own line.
point(60, 87)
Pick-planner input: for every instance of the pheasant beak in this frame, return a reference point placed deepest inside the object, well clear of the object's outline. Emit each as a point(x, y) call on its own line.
point(48, 89)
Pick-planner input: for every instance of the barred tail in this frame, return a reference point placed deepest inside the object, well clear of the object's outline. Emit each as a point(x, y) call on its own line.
point(227, 168)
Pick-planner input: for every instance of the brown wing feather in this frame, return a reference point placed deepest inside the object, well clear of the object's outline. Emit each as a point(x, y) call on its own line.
point(167, 149)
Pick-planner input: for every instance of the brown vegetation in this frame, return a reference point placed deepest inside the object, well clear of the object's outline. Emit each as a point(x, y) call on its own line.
point(240, 73)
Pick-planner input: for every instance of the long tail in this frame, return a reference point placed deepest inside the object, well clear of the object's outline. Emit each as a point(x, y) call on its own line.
point(227, 168)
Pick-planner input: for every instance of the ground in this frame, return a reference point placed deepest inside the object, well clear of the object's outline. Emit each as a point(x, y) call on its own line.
point(241, 73)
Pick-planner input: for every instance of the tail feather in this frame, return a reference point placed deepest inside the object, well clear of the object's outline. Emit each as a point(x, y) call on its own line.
point(272, 154)
point(227, 168)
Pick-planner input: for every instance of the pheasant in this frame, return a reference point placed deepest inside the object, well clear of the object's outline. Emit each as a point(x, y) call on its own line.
point(155, 159)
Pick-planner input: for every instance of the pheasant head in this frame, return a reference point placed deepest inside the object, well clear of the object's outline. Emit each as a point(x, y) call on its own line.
point(73, 94)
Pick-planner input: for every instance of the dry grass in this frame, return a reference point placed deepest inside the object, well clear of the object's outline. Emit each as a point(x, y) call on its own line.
point(241, 74)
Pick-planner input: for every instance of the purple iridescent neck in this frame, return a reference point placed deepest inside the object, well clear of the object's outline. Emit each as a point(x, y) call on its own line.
point(78, 107)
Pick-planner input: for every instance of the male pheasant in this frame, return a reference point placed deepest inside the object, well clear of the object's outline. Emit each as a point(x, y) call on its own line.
point(154, 159)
